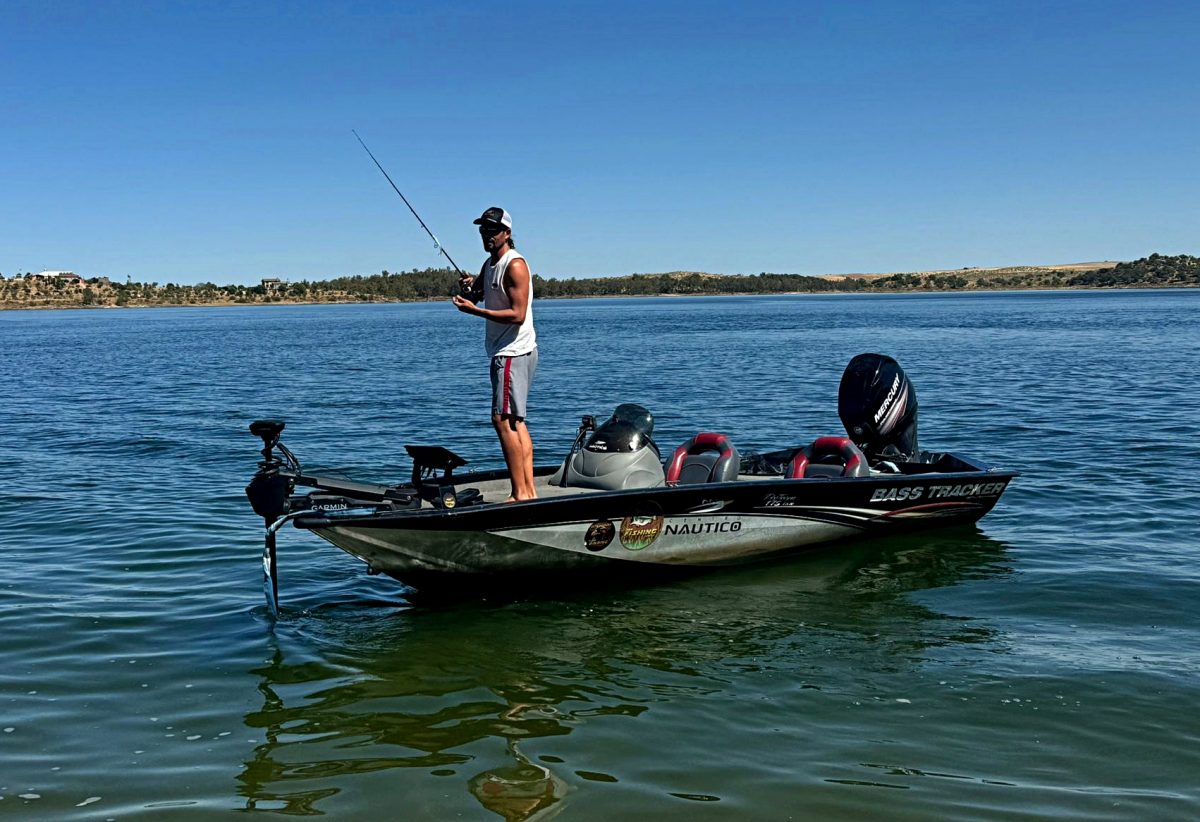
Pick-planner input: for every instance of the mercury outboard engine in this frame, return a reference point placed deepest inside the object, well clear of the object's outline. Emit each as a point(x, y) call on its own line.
point(618, 455)
point(878, 406)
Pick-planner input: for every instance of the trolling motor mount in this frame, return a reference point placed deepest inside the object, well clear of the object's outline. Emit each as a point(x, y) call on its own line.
point(268, 491)
point(428, 460)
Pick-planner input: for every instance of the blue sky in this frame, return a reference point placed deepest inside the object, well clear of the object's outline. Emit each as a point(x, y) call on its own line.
point(211, 141)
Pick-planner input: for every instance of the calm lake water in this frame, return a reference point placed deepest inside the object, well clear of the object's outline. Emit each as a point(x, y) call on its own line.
point(1044, 665)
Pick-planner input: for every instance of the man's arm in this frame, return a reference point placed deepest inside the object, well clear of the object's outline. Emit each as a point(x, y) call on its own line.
point(516, 285)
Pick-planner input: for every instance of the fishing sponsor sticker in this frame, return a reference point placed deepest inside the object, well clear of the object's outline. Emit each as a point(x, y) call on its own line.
point(599, 534)
point(640, 530)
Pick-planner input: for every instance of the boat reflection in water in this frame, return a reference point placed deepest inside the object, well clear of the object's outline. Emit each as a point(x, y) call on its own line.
point(514, 701)
point(522, 791)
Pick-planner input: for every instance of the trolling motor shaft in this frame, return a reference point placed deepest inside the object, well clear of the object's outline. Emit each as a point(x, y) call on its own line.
point(268, 492)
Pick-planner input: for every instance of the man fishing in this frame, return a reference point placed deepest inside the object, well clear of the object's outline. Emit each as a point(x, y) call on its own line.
point(506, 288)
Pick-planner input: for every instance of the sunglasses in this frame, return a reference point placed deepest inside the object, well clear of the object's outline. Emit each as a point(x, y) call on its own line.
point(489, 230)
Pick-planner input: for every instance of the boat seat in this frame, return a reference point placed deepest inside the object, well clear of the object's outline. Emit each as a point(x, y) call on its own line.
point(706, 457)
point(829, 457)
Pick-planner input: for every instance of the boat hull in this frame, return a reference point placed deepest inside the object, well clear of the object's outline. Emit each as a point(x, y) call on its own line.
point(672, 527)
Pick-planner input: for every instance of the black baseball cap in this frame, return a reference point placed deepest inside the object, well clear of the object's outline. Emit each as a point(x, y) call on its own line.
point(496, 216)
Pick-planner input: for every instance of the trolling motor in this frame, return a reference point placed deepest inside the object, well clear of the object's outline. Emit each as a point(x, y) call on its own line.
point(268, 492)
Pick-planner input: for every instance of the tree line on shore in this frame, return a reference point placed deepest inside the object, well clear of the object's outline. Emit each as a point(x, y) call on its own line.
point(439, 283)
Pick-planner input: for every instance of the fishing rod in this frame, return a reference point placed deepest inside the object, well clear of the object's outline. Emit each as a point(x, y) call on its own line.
point(436, 244)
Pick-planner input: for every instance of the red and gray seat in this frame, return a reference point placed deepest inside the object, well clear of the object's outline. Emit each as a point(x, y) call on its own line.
point(706, 457)
point(829, 457)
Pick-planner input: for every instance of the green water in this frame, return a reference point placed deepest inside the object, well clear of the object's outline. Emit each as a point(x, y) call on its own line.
point(1041, 666)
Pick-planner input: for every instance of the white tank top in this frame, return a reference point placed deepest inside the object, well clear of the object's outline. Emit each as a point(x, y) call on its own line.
point(506, 339)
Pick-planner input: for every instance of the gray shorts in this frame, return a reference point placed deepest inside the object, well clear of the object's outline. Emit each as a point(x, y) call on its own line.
point(511, 378)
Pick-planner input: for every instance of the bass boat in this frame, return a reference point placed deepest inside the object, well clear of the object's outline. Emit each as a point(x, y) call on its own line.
point(616, 504)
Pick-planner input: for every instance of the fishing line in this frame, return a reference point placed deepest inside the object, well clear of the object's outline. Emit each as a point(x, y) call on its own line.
point(436, 244)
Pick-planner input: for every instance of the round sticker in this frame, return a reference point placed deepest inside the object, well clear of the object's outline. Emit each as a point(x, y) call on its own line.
point(599, 535)
point(640, 531)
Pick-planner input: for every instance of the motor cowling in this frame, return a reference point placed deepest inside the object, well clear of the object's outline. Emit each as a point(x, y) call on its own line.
point(878, 406)
point(268, 493)
point(628, 429)
point(620, 454)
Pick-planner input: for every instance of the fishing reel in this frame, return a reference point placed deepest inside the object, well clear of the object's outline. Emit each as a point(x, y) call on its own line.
point(471, 292)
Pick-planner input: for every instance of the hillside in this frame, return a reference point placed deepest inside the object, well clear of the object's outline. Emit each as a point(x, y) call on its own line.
point(1155, 271)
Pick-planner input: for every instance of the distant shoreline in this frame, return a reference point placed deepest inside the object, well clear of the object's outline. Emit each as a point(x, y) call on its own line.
point(391, 301)
point(56, 290)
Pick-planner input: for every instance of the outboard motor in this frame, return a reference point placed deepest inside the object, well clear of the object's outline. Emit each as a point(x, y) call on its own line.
point(619, 454)
point(878, 406)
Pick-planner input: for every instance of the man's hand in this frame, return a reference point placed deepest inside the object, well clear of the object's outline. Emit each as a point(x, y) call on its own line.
point(465, 284)
point(463, 304)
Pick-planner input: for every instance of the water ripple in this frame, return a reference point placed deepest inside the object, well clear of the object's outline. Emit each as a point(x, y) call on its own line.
point(1039, 667)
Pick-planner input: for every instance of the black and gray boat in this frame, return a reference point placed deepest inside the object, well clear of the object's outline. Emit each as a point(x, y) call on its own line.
point(617, 504)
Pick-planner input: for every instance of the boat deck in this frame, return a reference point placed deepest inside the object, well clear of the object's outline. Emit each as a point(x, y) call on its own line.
point(498, 490)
